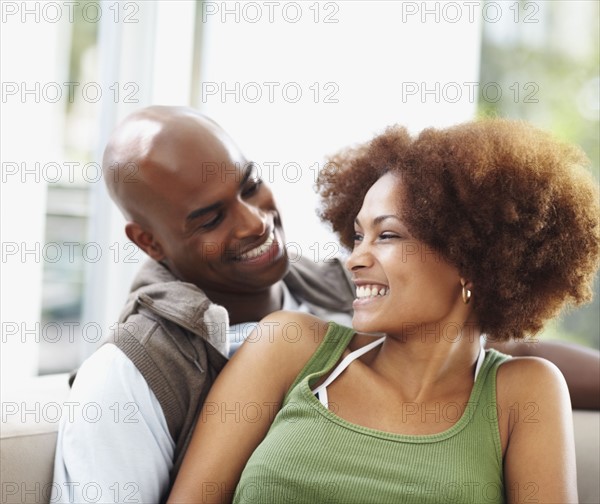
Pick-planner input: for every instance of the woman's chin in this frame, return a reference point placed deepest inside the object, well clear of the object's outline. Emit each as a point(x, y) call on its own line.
point(362, 324)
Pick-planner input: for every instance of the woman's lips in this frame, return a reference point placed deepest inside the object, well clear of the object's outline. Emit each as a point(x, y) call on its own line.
point(369, 293)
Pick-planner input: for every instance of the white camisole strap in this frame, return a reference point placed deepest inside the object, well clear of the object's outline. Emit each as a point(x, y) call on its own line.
point(480, 360)
point(321, 390)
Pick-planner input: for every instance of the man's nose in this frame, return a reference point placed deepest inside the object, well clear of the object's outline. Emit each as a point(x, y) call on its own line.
point(250, 220)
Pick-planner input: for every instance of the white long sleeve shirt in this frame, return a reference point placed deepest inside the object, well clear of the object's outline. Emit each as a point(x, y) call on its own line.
point(118, 449)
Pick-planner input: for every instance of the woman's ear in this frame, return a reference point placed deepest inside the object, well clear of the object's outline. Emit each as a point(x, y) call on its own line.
point(467, 289)
point(466, 283)
point(144, 240)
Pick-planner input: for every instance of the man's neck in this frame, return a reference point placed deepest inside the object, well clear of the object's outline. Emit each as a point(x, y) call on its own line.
point(246, 307)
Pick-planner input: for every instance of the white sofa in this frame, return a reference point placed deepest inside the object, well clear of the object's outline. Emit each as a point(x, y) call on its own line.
point(30, 420)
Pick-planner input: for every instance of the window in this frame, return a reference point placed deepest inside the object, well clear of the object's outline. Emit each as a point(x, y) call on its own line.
point(540, 62)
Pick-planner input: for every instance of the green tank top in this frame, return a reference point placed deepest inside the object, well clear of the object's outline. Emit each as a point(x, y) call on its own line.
point(310, 455)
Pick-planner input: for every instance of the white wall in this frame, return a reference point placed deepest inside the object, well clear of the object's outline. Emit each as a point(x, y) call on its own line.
point(375, 59)
point(358, 55)
point(30, 129)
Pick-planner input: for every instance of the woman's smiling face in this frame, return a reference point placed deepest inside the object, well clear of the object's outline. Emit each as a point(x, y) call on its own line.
point(402, 284)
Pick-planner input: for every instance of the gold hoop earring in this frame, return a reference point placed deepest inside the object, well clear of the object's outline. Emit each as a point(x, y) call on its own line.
point(466, 293)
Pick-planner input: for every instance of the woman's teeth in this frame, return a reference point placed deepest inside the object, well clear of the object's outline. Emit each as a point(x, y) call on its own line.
point(261, 249)
point(367, 291)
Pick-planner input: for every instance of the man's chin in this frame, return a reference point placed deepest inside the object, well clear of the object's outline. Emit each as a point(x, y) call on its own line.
point(266, 276)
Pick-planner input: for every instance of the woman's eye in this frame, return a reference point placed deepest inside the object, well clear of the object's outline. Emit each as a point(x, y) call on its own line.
point(252, 187)
point(357, 237)
point(388, 236)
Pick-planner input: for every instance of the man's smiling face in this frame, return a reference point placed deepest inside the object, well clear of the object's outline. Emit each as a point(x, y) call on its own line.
point(206, 213)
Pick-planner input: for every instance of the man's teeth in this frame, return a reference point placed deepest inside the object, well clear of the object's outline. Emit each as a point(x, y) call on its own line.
point(261, 249)
point(367, 291)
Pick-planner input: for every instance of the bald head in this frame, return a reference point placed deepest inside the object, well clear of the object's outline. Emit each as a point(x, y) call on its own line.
point(195, 203)
point(149, 150)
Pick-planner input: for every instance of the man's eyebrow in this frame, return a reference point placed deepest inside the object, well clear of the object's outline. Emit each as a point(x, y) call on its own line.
point(249, 170)
point(199, 212)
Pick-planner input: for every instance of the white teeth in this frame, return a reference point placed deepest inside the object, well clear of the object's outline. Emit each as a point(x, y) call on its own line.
point(367, 291)
point(261, 249)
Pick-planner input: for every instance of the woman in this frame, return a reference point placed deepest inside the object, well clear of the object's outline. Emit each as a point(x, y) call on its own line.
point(485, 228)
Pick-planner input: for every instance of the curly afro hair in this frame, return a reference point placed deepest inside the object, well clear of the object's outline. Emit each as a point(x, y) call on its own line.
point(515, 210)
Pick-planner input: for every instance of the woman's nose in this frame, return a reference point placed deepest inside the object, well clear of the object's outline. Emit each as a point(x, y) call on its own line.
point(360, 257)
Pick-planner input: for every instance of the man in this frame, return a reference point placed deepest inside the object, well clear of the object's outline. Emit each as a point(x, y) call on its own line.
point(213, 232)
point(218, 264)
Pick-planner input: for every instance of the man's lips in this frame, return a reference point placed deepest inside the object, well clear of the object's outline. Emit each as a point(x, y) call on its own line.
point(257, 250)
point(266, 252)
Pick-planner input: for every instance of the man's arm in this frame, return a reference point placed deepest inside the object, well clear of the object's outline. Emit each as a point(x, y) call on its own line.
point(116, 446)
point(579, 365)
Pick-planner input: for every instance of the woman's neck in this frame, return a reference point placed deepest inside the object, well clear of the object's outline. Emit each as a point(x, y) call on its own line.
point(426, 366)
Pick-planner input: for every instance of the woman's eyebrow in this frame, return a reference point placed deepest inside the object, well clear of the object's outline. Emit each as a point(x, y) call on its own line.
point(379, 219)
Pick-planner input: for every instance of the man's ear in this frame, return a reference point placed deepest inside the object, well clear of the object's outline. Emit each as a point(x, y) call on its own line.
point(145, 240)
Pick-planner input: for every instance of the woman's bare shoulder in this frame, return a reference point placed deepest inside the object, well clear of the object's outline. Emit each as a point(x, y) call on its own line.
point(529, 376)
point(531, 388)
point(536, 429)
point(288, 327)
point(282, 342)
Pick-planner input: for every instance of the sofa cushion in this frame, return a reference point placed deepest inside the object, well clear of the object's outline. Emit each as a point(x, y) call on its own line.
point(31, 413)
point(587, 450)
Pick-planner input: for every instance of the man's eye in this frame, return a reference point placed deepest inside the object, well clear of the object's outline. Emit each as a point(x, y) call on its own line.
point(212, 222)
point(252, 187)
